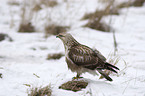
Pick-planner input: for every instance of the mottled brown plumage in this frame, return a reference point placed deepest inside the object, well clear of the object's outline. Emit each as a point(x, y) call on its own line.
point(81, 58)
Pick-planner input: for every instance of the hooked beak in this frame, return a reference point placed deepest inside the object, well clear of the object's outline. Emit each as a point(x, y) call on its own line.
point(58, 36)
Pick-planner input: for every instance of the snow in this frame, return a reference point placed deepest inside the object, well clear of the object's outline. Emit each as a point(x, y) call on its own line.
point(19, 62)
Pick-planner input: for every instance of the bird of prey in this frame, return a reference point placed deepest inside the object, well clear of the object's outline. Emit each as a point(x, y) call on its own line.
point(81, 58)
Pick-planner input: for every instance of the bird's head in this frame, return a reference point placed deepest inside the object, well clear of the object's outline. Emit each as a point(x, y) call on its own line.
point(67, 39)
point(61, 35)
point(64, 36)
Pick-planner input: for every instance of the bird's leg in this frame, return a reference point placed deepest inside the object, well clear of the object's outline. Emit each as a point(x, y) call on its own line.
point(77, 77)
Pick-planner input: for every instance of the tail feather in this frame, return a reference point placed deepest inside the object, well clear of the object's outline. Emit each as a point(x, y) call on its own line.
point(108, 67)
point(111, 66)
point(104, 75)
point(111, 69)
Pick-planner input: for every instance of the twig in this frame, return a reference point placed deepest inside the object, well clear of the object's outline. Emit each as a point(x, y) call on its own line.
point(115, 43)
point(131, 79)
point(125, 88)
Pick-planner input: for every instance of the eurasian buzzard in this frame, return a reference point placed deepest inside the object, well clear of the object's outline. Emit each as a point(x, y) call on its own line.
point(81, 58)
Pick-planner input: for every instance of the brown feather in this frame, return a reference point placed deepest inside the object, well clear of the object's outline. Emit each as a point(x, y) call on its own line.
point(83, 56)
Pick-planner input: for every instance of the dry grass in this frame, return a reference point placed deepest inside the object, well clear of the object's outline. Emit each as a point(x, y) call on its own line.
point(74, 85)
point(36, 7)
point(98, 26)
point(124, 5)
point(13, 3)
point(46, 3)
point(101, 13)
point(5, 36)
point(55, 29)
point(45, 91)
point(1, 75)
point(54, 56)
point(138, 3)
point(26, 28)
point(135, 3)
point(49, 3)
point(96, 17)
point(30, 10)
point(2, 36)
point(115, 43)
point(26, 17)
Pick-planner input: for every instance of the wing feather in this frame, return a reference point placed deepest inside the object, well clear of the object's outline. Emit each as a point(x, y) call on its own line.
point(83, 56)
point(99, 55)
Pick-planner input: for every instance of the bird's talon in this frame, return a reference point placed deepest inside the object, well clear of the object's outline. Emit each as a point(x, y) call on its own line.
point(74, 78)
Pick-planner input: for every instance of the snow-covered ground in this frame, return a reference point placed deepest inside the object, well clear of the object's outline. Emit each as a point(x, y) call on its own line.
point(19, 61)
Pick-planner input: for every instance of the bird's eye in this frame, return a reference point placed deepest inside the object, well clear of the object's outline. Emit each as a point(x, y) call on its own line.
point(59, 36)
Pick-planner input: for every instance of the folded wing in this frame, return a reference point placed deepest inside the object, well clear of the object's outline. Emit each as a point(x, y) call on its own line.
point(83, 56)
